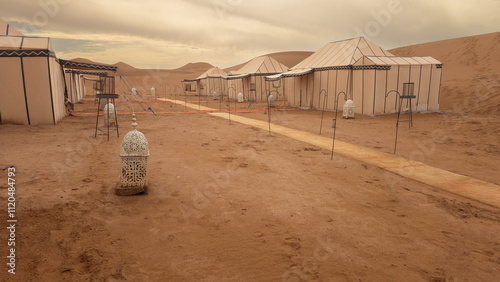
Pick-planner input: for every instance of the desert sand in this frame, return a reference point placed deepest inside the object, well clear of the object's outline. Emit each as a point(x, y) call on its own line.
point(228, 202)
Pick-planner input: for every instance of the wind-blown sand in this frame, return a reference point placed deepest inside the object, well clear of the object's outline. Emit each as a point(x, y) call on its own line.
point(228, 202)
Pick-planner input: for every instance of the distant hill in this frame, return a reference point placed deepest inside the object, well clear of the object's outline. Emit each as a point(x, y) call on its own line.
point(471, 71)
point(195, 66)
point(124, 67)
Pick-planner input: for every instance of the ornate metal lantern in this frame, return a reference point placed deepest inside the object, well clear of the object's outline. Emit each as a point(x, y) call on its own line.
point(134, 155)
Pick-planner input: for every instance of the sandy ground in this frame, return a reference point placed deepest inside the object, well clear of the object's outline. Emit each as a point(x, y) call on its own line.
point(228, 202)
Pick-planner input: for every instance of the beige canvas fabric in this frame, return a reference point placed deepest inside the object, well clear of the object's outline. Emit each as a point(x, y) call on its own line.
point(249, 79)
point(367, 73)
point(33, 87)
point(211, 81)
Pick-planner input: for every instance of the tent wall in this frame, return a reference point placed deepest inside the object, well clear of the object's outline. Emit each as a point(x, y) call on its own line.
point(380, 88)
point(306, 90)
point(260, 88)
point(255, 93)
point(199, 90)
point(58, 89)
point(321, 83)
point(32, 90)
point(234, 87)
point(300, 90)
point(189, 87)
point(369, 88)
point(82, 86)
point(12, 95)
point(435, 89)
point(249, 94)
point(211, 85)
point(69, 87)
point(38, 89)
point(276, 88)
point(77, 85)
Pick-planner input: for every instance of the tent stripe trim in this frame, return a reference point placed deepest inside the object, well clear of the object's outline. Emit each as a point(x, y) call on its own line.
point(26, 53)
point(65, 84)
point(439, 91)
point(51, 94)
point(419, 85)
point(102, 73)
point(371, 67)
point(430, 87)
point(67, 63)
point(25, 94)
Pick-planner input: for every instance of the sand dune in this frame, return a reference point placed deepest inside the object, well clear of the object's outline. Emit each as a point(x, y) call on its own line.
point(471, 72)
point(200, 66)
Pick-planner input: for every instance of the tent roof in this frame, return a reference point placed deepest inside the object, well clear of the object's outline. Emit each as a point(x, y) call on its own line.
point(8, 42)
point(236, 76)
point(291, 73)
point(342, 53)
point(7, 29)
point(213, 72)
point(75, 71)
point(263, 65)
point(383, 60)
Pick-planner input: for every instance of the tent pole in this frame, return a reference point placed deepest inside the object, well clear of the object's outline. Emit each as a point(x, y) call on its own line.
point(323, 111)
point(352, 85)
point(335, 120)
point(397, 125)
point(229, 106)
point(284, 93)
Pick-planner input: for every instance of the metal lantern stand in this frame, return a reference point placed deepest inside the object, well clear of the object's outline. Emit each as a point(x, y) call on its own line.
point(107, 87)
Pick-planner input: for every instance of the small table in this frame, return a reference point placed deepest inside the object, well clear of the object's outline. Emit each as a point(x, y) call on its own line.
point(108, 97)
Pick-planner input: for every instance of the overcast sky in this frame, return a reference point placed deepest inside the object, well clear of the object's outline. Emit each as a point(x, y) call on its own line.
point(170, 34)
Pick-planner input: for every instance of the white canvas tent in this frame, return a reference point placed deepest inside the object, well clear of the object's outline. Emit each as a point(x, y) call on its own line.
point(78, 72)
point(32, 87)
point(250, 81)
point(209, 82)
point(366, 73)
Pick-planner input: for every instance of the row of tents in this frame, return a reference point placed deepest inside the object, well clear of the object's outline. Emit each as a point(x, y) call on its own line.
point(35, 86)
point(369, 75)
point(38, 88)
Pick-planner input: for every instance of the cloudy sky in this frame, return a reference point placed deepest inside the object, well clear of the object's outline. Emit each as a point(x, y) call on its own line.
point(170, 34)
